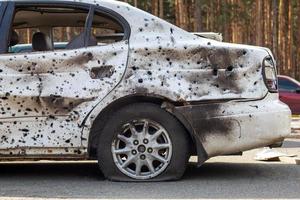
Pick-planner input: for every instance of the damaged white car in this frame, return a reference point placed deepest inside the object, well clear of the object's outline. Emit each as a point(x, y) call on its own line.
point(128, 89)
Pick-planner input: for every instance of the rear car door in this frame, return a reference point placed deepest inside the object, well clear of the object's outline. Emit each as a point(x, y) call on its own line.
point(45, 92)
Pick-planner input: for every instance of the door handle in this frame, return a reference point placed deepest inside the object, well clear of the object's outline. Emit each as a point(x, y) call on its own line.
point(105, 71)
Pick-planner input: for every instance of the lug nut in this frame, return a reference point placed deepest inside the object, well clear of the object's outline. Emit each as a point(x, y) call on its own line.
point(135, 142)
point(150, 150)
point(134, 152)
point(143, 157)
point(145, 141)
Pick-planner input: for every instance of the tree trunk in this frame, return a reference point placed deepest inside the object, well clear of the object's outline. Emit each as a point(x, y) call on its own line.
point(154, 6)
point(297, 42)
point(275, 27)
point(259, 22)
point(161, 8)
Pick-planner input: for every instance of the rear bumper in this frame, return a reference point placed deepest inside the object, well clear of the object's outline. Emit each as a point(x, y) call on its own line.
point(235, 126)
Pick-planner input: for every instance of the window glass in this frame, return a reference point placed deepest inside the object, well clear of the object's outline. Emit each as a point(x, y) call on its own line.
point(52, 28)
point(285, 84)
point(106, 30)
point(47, 29)
point(66, 34)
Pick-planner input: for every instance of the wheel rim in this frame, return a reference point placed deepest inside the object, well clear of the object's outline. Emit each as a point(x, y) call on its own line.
point(142, 150)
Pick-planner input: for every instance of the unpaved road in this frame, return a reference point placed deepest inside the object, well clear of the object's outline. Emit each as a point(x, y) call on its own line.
point(222, 177)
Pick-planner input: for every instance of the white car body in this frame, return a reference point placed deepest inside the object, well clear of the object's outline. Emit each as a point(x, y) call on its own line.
point(50, 100)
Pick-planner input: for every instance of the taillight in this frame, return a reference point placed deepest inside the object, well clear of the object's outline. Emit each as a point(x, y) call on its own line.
point(270, 75)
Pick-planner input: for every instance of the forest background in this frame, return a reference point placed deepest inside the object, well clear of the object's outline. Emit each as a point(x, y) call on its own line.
point(270, 23)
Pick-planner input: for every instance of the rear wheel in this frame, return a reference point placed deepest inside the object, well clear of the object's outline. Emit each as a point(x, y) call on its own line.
point(143, 142)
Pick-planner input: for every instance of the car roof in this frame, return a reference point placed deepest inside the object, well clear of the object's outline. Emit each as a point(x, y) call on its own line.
point(85, 1)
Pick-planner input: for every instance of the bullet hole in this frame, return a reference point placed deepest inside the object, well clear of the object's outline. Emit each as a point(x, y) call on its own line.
point(244, 52)
point(198, 62)
point(140, 80)
point(171, 30)
point(141, 29)
point(215, 72)
point(172, 40)
point(134, 68)
point(149, 73)
point(229, 68)
point(255, 83)
point(146, 25)
point(208, 43)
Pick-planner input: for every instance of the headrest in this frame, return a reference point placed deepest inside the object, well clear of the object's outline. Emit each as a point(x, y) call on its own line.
point(14, 38)
point(41, 42)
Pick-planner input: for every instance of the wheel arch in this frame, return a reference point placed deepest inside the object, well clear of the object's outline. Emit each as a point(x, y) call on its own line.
point(166, 104)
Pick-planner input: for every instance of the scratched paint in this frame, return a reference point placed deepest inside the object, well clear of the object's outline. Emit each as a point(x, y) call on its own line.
point(47, 96)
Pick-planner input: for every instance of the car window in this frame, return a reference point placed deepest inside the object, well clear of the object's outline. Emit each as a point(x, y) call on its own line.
point(52, 28)
point(34, 28)
point(105, 30)
point(285, 84)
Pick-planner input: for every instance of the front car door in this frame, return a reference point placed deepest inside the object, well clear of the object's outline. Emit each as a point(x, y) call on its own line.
point(46, 91)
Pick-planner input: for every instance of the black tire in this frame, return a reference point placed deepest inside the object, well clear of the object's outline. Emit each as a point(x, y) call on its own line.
point(177, 134)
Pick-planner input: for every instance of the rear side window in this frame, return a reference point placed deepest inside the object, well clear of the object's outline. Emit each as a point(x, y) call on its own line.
point(285, 84)
point(106, 30)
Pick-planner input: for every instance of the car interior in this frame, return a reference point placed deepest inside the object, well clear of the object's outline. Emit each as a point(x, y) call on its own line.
point(52, 28)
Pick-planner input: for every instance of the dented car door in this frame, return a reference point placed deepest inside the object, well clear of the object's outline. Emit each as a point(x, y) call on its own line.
point(44, 93)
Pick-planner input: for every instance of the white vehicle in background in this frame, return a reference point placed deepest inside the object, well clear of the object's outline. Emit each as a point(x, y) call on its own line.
point(130, 90)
